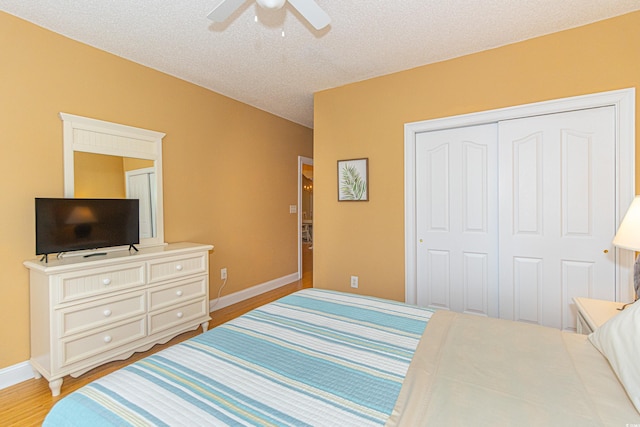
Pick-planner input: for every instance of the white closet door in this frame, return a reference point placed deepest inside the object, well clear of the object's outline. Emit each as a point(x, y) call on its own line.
point(557, 214)
point(457, 212)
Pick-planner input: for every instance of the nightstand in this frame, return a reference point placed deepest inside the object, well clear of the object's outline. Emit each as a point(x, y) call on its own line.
point(592, 313)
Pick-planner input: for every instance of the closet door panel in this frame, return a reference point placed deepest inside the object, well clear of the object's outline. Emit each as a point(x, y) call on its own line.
point(476, 282)
point(577, 187)
point(527, 181)
point(437, 279)
point(557, 205)
point(436, 180)
point(577, 280)
point(527, 280)
point(456, 194)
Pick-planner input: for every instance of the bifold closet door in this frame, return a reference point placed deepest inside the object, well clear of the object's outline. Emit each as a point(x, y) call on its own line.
point(557, 214)
point(514, 219)
point(457, 214)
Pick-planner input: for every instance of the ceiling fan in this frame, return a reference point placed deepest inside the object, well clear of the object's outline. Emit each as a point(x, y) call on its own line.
point(309, 9)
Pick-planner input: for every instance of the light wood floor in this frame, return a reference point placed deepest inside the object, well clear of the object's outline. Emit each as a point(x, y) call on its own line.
point(27, 403)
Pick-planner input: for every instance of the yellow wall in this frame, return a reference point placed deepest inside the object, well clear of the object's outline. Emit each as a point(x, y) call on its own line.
point(366, 119)
point(230, 170)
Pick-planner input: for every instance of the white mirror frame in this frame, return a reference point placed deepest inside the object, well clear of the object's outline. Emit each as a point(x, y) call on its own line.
point(100, 137)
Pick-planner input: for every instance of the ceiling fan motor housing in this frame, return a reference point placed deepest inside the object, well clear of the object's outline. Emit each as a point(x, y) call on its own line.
point(309, 9)
point(271, 4)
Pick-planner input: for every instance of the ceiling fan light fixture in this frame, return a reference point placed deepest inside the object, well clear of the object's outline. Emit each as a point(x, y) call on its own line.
point(271, 4)
point(309, 9)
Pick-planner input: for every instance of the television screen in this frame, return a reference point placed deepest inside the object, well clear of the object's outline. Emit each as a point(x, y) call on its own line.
point(73, 224)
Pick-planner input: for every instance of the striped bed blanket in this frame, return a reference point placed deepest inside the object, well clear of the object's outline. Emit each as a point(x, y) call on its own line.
point(315, 357)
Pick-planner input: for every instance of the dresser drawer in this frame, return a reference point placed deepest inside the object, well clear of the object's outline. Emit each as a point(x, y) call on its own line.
point(78, 318)
point(176, 267)
point(94, 344)
point(178, 315)
point(97, 281)
point(168, 295)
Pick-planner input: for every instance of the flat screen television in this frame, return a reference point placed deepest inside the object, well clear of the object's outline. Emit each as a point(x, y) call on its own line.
point(64, 225)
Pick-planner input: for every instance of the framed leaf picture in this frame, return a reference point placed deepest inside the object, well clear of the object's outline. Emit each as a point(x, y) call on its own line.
point(353, 180)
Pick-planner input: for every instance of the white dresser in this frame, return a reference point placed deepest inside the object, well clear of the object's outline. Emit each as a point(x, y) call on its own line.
point(88, 311)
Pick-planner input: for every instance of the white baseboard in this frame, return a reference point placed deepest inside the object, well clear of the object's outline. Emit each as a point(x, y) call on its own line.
point(15, 374)
point(253, 291)
point(22, 371)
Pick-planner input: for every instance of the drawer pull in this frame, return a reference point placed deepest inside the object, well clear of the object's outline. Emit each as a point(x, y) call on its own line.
point(106, 282)
point(179, 314)
point(107, 339)
point(179, 267)
point(179, 293)
point(107, 313)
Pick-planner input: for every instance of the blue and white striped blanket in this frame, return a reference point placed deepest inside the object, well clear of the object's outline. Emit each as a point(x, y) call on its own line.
point(315, 357)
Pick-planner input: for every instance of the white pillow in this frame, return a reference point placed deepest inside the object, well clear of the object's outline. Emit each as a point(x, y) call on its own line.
point(618, 340)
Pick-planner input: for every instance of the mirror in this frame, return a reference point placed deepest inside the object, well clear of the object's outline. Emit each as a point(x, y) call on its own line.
point(108, 160)
point(117, 177)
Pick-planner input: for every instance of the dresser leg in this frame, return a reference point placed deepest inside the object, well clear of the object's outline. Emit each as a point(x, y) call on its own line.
point(55, 386)
point(36, 374)
point(205, 326)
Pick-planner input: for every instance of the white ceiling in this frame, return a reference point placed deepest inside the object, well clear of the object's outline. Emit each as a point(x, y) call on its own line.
point(252, 62)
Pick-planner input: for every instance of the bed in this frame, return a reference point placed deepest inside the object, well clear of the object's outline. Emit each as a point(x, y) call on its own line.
point(332, 359)
point(311, 358)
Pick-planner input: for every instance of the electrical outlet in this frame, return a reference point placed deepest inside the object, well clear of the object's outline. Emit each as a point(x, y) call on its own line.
point(354, 281)
point(223, 273)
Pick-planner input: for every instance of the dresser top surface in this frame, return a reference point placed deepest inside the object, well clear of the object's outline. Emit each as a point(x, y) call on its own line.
point(83, 261)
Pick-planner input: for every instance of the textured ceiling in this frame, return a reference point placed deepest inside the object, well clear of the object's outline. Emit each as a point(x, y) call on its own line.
point(253, 63)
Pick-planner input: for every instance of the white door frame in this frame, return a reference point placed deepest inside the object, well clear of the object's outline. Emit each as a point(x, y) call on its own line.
point(301, 161)
point(624, 102)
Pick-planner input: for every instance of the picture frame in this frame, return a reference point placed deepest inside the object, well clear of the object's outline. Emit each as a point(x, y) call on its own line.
point(353, 180)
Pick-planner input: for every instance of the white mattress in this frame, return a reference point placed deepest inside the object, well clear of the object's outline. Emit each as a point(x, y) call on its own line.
point(469, 370)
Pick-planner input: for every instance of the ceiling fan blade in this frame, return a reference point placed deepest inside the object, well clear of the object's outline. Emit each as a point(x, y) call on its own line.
point(312, 13)
point(224, 10)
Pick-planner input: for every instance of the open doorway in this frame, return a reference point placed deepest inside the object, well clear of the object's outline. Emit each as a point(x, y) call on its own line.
point(305, 219)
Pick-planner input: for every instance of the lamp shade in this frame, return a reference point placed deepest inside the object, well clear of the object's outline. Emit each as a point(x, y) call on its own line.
point(628, 235)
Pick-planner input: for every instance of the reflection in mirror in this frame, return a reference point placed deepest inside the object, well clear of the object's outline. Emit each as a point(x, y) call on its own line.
point(110, 160)
point(116, 177)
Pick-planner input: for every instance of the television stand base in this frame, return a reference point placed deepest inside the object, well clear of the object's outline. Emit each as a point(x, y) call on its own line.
point(96, 254)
